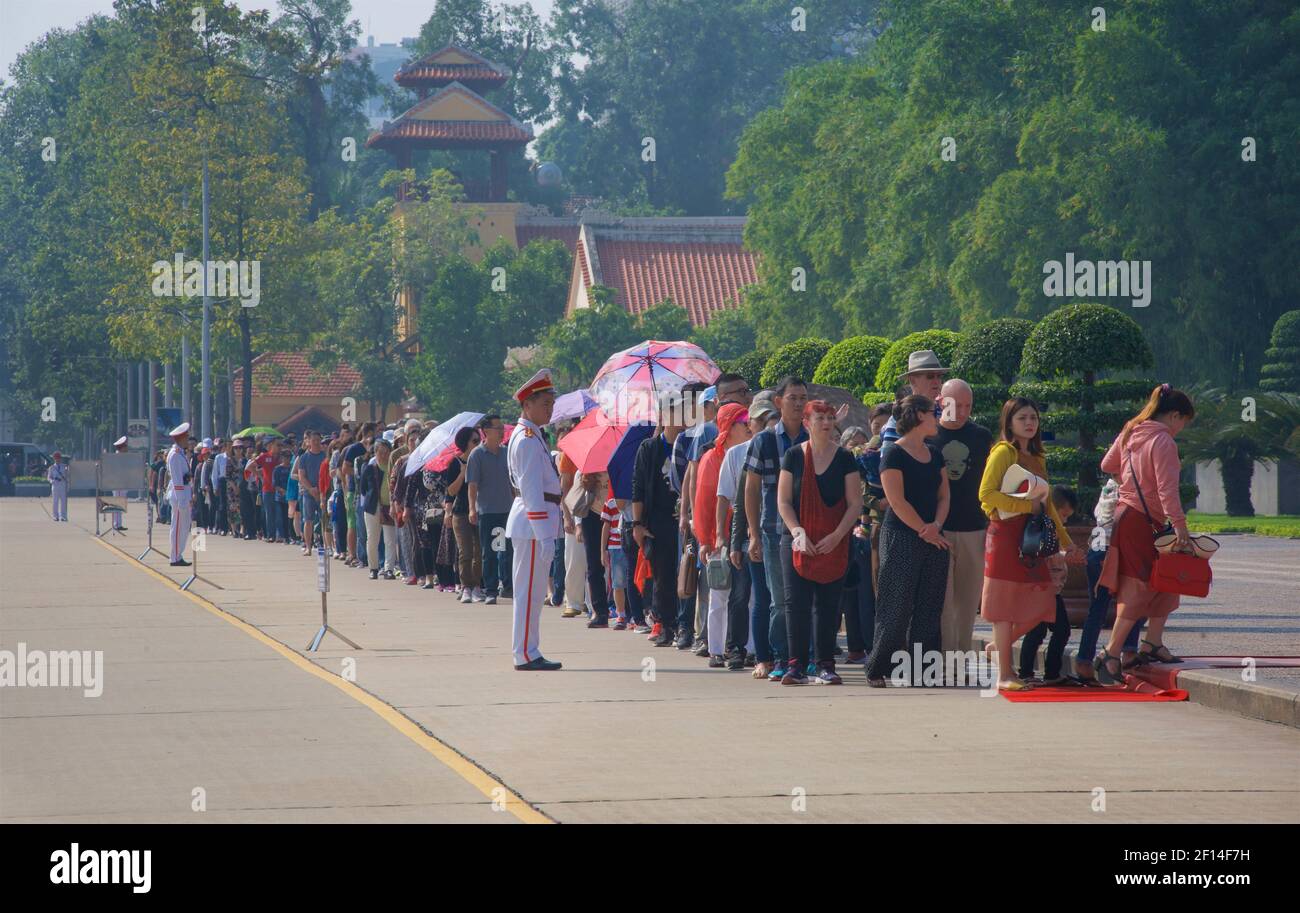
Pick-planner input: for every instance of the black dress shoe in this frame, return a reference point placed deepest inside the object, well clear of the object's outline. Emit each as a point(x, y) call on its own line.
point(181, 563)
point(540, 664)
point(599, 622)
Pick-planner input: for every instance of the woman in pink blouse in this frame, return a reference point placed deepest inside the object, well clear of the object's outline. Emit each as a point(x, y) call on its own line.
point(1145, 460)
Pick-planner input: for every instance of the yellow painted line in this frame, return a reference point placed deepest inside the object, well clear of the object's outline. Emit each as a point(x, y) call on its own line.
point(466, 769)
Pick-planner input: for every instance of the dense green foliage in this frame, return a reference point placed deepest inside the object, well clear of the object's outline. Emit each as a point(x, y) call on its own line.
point(889, 375)
point(1282, 368)
point(749, 366)
point(929, 182)
point(796, 359)
point(992, 351)
point(852, 363)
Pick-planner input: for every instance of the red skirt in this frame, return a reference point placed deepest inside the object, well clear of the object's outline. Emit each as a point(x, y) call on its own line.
point(1014, 591)
point(1127, 568)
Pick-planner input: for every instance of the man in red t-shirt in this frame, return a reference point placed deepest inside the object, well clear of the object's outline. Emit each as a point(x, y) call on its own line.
point(266, 462)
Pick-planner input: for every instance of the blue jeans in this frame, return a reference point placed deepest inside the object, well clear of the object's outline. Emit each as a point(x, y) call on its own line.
point(776, 588)
point(271, 515)
point(760, 611)
point(1099, 603)
point(635, 605)
point(498, 567)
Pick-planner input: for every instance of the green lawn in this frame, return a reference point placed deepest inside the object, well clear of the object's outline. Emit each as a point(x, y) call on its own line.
point(1284, 527)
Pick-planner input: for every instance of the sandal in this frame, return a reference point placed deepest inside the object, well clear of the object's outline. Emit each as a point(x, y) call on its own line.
point(1101, 666)
point(1014, 684)
point(1139, 659)
point(1154, 654)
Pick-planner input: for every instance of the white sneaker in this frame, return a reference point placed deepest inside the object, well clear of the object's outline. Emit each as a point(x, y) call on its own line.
point(479, 595)
point(466, 595)
point(490, 600)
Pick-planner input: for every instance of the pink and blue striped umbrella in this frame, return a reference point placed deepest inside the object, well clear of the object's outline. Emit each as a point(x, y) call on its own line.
point(629, 384)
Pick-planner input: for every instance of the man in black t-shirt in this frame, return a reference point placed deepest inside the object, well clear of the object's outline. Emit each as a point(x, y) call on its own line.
point(654, 525)
point(964, 446)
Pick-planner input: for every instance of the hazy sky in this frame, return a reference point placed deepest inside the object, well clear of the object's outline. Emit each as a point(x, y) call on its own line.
point(23, 21)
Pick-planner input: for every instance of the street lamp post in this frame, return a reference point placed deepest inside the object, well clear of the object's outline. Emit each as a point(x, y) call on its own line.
point(206, 406)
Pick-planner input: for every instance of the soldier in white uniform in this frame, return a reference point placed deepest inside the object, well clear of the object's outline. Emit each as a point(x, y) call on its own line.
point(178, 492)
point(57, 475)
point(119, 446)
point(534, 521)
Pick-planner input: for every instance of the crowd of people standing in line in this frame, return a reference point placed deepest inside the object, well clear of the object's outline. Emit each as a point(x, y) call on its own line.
point(756, 528)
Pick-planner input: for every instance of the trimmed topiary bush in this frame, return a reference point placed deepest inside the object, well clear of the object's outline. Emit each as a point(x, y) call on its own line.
point(992, 351)
point(871, 397)
point(852, 363)
point(799, 358)
point(1068, 349)
point(894, 363)
point(749, 366)
point(1281, 371)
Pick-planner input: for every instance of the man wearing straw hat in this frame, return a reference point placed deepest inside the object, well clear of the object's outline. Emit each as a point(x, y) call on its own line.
point(534, 520)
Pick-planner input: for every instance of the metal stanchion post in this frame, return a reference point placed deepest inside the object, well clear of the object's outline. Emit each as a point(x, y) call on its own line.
point(323, 584)
point(148, 530)
point(194, 570)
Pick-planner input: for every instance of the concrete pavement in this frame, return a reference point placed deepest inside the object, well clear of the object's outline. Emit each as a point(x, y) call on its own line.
point(191, 699)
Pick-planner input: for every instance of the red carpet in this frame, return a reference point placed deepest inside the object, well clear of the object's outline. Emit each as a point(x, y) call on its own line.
point(1114, 694)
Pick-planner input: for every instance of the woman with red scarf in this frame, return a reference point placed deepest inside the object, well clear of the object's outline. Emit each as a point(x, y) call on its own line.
point(733, 428)
point(819, 508)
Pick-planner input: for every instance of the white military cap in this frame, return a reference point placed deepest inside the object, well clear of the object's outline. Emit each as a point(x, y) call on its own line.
point(120, 442)
point(182, 428)
point(538, 383)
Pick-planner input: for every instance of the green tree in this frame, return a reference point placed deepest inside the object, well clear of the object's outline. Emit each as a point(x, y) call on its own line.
point(919, 186)
point(1221, 432)
point(687, 73)
point(665, 321)
point(893, 364)
point(1281, 372)
point(728, 334)
point(1073, 348)
point(852, 363)
point(576, 347)
point(796, 359)
point(749, 366)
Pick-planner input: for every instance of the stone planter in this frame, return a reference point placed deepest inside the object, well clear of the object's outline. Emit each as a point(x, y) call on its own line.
point(31, 489)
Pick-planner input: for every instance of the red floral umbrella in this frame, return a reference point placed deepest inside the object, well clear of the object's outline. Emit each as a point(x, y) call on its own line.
point(593, 441)
point(629, 384)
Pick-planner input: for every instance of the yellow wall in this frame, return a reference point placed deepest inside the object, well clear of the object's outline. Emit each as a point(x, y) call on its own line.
point(492, 221)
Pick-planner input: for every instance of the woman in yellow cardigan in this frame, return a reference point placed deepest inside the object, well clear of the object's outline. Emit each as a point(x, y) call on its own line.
point(1017, 596)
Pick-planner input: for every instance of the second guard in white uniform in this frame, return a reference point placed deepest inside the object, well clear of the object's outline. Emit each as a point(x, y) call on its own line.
point(119, 446)
point(178, 493)
point(57, 475)
point(534, 521)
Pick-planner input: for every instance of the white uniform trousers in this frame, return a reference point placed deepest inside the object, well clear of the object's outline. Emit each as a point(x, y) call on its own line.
point(531, 567)
point(59, 496)
point(117, 516)
point(180, 531)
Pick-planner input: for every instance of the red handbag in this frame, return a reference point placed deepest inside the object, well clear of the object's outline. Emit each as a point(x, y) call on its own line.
point(1175, 572)
point(1178, 572)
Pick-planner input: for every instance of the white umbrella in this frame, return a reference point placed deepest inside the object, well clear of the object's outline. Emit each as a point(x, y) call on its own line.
point(439, 438)
point(572, 405)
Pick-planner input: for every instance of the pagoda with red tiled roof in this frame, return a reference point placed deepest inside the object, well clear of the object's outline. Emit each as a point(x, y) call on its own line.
point(452, 115)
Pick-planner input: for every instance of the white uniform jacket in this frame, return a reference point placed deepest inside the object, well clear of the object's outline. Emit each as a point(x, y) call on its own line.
point(534, 477)
point(178, 490)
